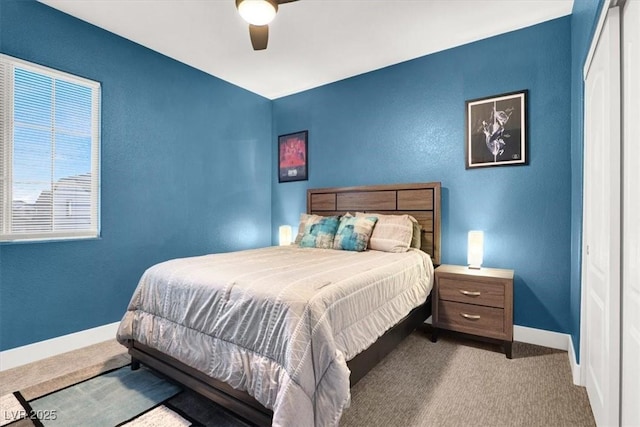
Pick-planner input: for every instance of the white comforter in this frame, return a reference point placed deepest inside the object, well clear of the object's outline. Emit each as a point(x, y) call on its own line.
point(278, 322)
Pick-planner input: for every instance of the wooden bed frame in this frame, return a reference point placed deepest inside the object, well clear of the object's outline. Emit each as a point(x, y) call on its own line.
point(422, 201)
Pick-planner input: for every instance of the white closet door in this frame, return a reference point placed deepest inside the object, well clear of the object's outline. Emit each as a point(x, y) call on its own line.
point(631, 210)
point(601, 238)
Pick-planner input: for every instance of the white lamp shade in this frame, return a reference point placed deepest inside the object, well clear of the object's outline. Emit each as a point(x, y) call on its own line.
point(257, 12)
point(475, 249)
point(284, 233)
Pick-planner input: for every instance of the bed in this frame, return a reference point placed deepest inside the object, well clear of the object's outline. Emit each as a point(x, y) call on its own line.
point(288, 328)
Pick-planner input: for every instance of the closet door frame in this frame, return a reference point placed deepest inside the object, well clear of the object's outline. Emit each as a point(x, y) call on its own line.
point(601, 238)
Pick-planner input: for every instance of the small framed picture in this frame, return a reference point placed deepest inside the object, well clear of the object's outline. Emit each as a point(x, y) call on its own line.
point(496, 130)
point(293, 157)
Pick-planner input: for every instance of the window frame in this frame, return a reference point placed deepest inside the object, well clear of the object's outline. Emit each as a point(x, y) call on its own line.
point(8, 64)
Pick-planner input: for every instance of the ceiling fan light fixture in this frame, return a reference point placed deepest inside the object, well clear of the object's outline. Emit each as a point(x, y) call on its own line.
point(257, 12)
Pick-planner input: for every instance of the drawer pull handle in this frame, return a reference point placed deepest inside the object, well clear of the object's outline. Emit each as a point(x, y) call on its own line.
point(470, 316)
point(470, 293)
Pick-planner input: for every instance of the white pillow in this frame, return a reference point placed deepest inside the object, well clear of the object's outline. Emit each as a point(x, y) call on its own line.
point(416, 239)
point(392, 233)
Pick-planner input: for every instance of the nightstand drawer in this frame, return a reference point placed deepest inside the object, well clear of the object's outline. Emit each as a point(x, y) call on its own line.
point(471, 292)
point(473, 319)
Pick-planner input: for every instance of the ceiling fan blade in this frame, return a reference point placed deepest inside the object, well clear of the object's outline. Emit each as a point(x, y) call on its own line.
point(259, 36)
point(285, 1)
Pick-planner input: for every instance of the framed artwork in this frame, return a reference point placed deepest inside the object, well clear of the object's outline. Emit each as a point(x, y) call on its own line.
point(496, 130)
point(293, 157)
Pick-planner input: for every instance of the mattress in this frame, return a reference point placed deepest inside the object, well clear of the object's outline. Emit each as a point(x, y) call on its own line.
point(278, 322)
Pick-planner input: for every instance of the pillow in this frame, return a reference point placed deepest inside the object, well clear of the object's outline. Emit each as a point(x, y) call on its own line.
point(304, 218)
point(319, 232)
point(416, 236)
point(392, 233)
point(354, 232)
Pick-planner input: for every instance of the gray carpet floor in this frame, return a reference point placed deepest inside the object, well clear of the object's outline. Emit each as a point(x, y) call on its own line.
point(457, 382)
point(454, 382)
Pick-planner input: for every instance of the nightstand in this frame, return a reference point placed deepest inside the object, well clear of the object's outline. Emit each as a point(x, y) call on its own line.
point(474, 301)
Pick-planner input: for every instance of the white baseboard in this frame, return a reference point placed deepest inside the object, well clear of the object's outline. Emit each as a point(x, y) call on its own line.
point(575, 366)
point(41, 350)
point(552, 340)
point(541, 337)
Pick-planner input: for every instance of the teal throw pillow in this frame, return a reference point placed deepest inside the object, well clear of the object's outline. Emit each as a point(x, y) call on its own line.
point(354, 233)
point(319, 232)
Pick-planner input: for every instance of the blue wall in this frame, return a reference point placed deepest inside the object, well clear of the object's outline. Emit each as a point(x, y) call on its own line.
point(173, 136)
point(584, 19)
point(183, 173)
point(406, 123)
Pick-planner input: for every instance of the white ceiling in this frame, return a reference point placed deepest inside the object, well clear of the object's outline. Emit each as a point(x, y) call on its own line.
point(311, 42)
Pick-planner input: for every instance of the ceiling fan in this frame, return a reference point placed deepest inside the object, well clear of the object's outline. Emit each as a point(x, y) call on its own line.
point(258, 13)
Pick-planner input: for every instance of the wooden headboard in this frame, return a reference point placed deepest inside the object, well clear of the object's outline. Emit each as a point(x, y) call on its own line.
point(422, 201)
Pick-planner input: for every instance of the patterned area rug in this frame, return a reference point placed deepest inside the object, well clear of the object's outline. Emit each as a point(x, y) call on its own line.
point(120, 397)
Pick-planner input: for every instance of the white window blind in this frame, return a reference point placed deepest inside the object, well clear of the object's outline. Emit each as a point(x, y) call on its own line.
point(50, 148)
